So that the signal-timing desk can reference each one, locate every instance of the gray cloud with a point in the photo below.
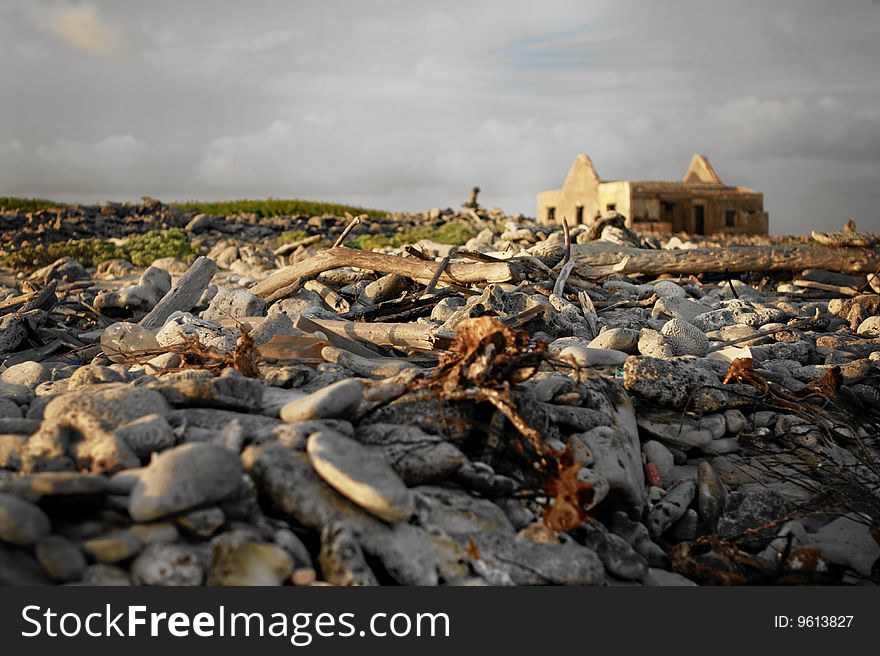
(407, 105)
(80, 27)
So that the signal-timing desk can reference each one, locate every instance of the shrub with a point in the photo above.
(455, 233)
(140, 250)
(27, 204)
(269, 207)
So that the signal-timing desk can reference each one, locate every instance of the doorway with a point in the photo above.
(699, 219)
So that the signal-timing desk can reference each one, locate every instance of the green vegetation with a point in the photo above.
(454, 232)
(140, 250)
(268, 207)
(26, 205)
(290, 236)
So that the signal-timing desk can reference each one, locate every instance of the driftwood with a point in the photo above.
(737, 259)
(334, 258)
(287, 249)
(30, 300)
(184, 295)
(403, 335)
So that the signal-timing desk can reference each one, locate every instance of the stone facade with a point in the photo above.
(700, 204)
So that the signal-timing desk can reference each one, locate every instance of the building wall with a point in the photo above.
(747, 206)
(617, 194)
(579, 190)
(655, 206)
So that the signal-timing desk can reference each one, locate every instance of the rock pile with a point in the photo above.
(498, 414)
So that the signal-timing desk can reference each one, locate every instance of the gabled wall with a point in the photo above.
(584, 196)
(579, 190)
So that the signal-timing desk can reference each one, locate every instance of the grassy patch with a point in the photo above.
(290, 236)
(26, 205)
(455, 233)
(268, 207)
(140, 250)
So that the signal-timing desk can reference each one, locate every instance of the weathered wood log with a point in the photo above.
(334, 258)
(184, 295)
(737, 259)
(42, 298)
(404, 335)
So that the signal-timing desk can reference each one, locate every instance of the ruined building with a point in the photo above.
(700, 204)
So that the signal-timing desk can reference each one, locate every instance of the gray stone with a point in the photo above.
(9, 409)
(101, 429)
(417, 457)
(870, 327)
(404, 551)
(458, 513)
(237, 560)
(523, 562)
(168, 564)
(274, 325)
(617, 339)
(286, 478)
(752, 507)
(34, 487)
(60, 558)
(18, 382)
(619, 462)
(616, 554)
(735, 421)
(636, 534)
(65, 269)
(336, 400)
(18, 567)
(103, 574)
(711, 495)
(721, 447)
(201, 223)
(12, 332)
(685, 529)
(675, 383)
(361, 475)
(342, 559)
(181, 325)
(593, 357)
(715, 424)
(18, 426)
(657, 454)
(153, 284)
(184, 478)
(668, 289)
(654, 344)
(234, 304)
(202, 523)
(679, 308)
(847, 540)
(230, 390)
(686, 338)
(670, 508)
(112, 548)
(21, 522)
(717, 319)
(673, 428)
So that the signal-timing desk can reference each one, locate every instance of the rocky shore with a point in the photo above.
(508, 411)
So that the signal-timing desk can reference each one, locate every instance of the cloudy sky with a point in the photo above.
(402, 104)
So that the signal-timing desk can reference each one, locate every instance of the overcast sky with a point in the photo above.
(405, 105)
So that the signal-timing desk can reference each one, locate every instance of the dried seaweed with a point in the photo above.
(483, 362)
